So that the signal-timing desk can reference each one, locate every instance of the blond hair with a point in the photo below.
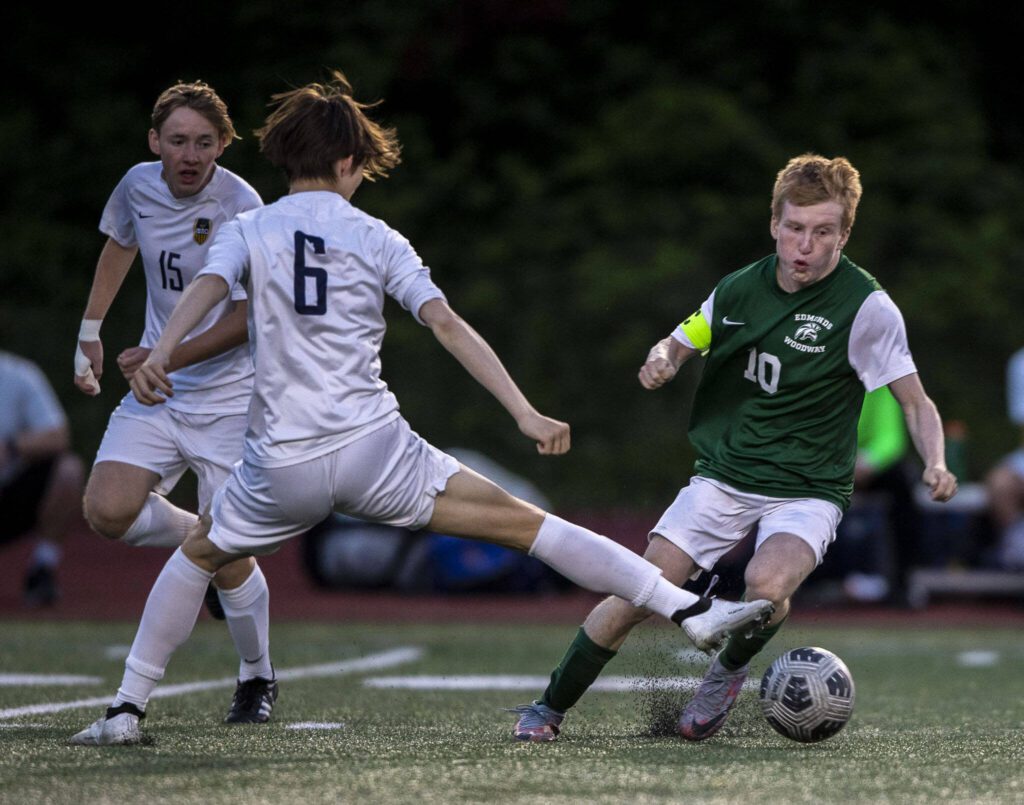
(201, 97)
(811, 179)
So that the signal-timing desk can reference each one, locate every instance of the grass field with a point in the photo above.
(938, 719)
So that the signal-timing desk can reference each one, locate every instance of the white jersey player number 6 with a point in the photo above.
(309, 278)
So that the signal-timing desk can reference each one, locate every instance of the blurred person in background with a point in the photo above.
(1005, 482)
(40, 478)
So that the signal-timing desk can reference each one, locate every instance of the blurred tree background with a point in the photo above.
(577, 174)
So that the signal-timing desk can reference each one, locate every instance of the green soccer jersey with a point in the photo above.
(777, 406)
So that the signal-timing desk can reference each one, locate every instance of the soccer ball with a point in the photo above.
(807, 694)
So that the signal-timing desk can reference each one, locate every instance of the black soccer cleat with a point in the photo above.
(40, 587)
(253, 701)
(213, 605)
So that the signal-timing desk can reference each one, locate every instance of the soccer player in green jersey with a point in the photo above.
(792, 341)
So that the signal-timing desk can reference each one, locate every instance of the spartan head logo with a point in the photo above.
(201, 230)
(808, 331)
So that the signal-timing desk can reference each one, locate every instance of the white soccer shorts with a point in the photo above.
(709, 517)
(390, 476)
(168, 442)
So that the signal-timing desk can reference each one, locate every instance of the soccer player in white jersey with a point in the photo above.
(171, 211)
(324, 431)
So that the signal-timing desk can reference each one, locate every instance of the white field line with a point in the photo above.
(29, 680)
(977, 659)
(371, 662)
(315, 725)
(613, 684)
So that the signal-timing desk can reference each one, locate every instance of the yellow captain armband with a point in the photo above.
(698, 331)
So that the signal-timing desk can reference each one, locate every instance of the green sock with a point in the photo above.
(740, 648)
(580, 666)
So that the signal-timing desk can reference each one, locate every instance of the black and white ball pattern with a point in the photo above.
(807, 694)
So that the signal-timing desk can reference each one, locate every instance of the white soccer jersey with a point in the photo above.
(173, 236)
(317, 270)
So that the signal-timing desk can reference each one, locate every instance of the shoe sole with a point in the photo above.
(537, 739)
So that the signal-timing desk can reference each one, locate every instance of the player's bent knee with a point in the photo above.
(106, 517)
(198, 548)
(761, 586)
(234, 574)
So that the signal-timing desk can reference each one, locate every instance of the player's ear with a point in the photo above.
(774, 227)
(343, 167)
(154, 141)
(844, 237)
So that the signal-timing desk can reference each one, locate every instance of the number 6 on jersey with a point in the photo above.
(304, 273)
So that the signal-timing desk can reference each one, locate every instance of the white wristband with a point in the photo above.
(90, 330)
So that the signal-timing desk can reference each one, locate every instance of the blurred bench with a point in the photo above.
(971, 501)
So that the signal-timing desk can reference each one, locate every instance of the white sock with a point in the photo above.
(247, 611)
(598, 564)
(160, 524)
(167, 621)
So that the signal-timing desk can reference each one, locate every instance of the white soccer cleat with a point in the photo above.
(118, 729)
(710, 629)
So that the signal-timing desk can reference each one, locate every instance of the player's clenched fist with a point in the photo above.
(941, 482)
(552, 436)
(656, 372)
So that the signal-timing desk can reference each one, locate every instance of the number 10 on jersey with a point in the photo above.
(764, 369)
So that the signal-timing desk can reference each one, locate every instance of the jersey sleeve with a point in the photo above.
(228, 257)
(695, 330)
(117, 222)
(406, 279)
(879, 352)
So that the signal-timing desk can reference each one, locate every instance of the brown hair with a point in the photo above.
(201, 97)
(811, 179)
(313, 127)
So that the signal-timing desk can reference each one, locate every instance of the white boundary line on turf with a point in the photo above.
(30, 680)
(371, 662)
(612, 684)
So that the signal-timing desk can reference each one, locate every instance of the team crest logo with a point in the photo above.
(809, 327)
(201, 230)
(808, 332)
